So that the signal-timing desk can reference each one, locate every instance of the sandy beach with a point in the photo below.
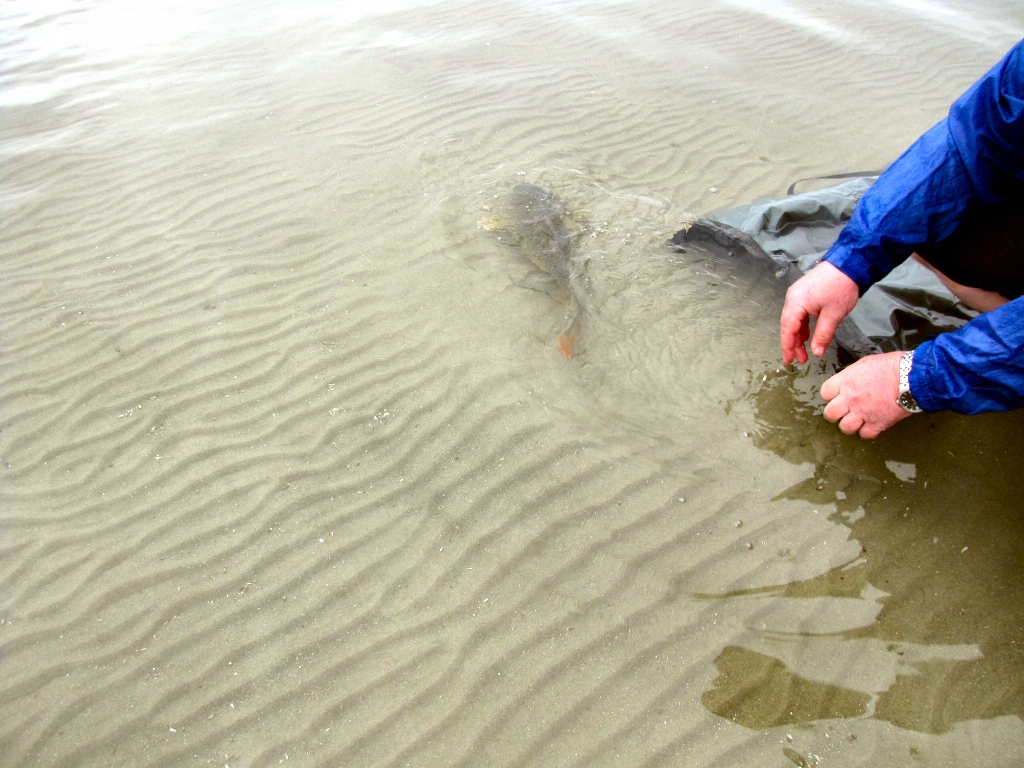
(292, 472)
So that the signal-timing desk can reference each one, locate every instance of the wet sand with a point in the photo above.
(292, 470)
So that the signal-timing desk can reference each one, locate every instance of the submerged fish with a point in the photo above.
(537, 224)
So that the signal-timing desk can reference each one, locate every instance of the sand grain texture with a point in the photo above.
(291, 469)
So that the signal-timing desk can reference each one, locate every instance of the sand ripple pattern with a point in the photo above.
(290, 467)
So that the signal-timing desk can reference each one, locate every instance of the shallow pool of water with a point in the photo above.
(292, 470)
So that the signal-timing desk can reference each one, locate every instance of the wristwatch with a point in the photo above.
(906, 399)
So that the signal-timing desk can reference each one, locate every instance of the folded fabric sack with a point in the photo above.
(899, 312)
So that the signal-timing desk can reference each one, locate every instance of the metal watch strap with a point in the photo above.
(906, 399)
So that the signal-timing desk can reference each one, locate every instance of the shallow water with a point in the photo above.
(292, 469)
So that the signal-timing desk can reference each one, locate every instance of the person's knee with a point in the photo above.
(977, 299)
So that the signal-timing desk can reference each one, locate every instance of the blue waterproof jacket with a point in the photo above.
(973, 157)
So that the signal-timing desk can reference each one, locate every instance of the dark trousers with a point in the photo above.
(986, 251)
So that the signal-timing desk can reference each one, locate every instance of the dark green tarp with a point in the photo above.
(793, 233)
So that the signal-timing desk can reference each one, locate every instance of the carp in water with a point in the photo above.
(536, 223)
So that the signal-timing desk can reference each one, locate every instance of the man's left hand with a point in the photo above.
(862, 397)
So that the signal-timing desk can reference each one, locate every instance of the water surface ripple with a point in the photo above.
(293, 471)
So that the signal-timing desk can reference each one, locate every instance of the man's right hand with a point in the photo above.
(825, 293)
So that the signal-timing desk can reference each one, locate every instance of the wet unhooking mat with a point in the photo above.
(898, 312)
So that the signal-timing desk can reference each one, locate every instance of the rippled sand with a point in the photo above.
(293, 473)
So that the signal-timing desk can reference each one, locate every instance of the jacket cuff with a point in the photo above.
(922, 373)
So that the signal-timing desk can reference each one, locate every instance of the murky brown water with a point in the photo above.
(293, 471)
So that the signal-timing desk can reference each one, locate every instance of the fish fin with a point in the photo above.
(567, 341)
(541, 282)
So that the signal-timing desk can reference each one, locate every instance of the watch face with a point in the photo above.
(907, 401)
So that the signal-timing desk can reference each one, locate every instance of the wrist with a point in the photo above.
(851, 266)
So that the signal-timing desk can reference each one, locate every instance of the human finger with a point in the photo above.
(794, 328)
(831, 387)
(850, 423)
(825, 328)
(870, 431)
(836, 409)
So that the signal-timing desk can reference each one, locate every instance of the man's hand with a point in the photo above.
(825, 293)
(862, 397)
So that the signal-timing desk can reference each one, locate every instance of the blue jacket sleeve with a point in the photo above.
(977, 368)
(973, 156)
